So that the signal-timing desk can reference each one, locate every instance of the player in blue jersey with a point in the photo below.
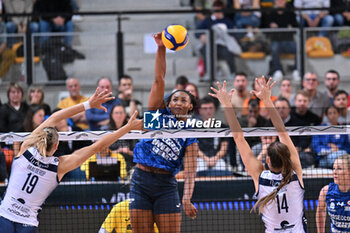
(335, 199)
(280, 190)
(36, 173)
(154, 194)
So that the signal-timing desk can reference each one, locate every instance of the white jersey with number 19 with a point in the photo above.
(285, 213)
(32, 180)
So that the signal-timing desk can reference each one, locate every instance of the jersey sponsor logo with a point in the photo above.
(348, 202)
(284, 226)
(178, 205)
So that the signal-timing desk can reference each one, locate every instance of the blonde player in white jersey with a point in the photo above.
(280, 190)
(36, 173)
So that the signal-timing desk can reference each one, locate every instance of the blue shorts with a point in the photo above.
(8, 226)
(156, 192)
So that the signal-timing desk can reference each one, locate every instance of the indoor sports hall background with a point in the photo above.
(113, 38)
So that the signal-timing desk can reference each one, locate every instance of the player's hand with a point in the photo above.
(99, 98)
(222, 95)
(189, 209)
(263, 89)
(158, 39)
(133, 123)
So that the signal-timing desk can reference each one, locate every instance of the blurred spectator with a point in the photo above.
(247, 19)
(73, 87)
(282, 42)
(117, 119)
(262, 110)
(97, 117)
(240, 83)
(68, 147)
(314, 18)
(340, 12)
(341, 103)
(36, 96)
(56, 23)
(331, 82)
(302, 143)
(3, 169)
(318, 100)
(193, 89)
(180, 82)
(13, 112)
(330, 147)
(212, 151)
(253, 119)
(301, 109)
(19, 24)
(105, 156)
(125, 95)
(201, 5)
(35, 116)
(286, 89)
(260, 149)
(7, 56)
(218, 22)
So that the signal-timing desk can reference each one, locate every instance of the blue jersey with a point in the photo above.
(338, 206)
(164, 153)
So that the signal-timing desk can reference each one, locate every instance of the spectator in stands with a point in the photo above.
(318, 100)
(117, 119)
(253, 119)
(301, 143)
(68, 147)
(180, 82)
(75, 97)
(247, 19)
(262, 110)
(7, 56)
(212, 151)
(3, 169)
(282, 42)
(329, 147)
(340, 12)
(35, 116)
(19, 24)
(36, 96)
(314, 18)
(260, 149)
(240, 83)
(13, 112)
(341, 103)
(331, 82)
(125, 95)
(286, 89)
(97, 117)
(56, 23)
(218, 21)
(201, 5)
(193, 89)
(301, 109)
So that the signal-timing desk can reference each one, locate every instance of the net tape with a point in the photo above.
(188, 133)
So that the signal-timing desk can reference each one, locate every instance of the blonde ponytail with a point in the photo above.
(43, 140)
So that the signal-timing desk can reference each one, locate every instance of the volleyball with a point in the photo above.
(175, 37)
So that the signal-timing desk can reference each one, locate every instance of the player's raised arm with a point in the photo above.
(72, 161)
(156, 98)
(264, 94)
(95, 101)
(253, 165)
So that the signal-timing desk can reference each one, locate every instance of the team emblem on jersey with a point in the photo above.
(332, 206)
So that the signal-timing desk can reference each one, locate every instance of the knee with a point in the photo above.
(69, 26)
(327, 21)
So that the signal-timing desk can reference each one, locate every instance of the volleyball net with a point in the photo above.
(87, 197)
